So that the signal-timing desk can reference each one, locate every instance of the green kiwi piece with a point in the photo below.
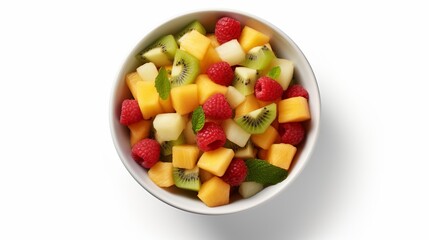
(258, 58)
(187, 178)
(167, 146)
(244, 80)
(161, 52)
(194, 25)
(185, 69)
(259, 120)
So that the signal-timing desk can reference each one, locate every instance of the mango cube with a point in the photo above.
(251, 38)
(214, 192)
(293, 109)
(148, 99)
(162, 174)
(166, 105)
(195, 43)
(139, 130)
(281, 155)
(185, 156)
(210, 58)
(132, 79)
(216, 161)
(250, 104)
(264, 140)
(207, 88)
(184, 98)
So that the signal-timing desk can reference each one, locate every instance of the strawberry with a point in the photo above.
(292, 133)
(130, 112)
(267, 89)
(236, 172)
(295, 91)
(210, 137)
(221, 73)
(217, 108)
(146, 152)
(227, 29)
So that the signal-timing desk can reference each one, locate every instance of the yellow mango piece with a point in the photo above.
(195, 43)
(293, 109)
(264, 140)
(210, 58)
(162, 174)
(166, 105)
(185, 156)
(207, 88)
(184, 98)
(216, 161)
(148, 99)
(281, 155)
(132, 79)
(214, 192)
(251, 103)
(251, 38)
(139, 131)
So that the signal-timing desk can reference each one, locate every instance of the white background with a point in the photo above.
(60, 177)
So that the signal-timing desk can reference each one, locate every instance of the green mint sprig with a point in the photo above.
(275, 72)
(162, 84)
(198, 119)
(263, 172)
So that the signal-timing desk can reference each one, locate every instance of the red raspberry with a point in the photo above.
(217, 108)
(130, 112)
(146, 152)
(227, 29)
(210, 137)
(267, 89)
(221, 73)
(295, 91)
(292, 133)
(236, 172)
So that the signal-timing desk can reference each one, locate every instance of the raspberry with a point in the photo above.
(292, 133)
(130, 112)
(146, 152)
(267, 89)
(236, 172)
(210, 137)
(217, 108)
(227, 29)
(295, 91)
(221, 73)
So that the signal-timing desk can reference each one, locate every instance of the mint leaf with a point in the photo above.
(263, 172)
(162, 84)
(198, 119)
(274, 73)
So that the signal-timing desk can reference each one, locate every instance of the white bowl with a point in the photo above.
(282, 45)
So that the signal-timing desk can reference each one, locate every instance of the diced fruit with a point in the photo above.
(281, 155)
(190, 137)
(286, 71)
(148, 99)
(132, 79)
(226, 29)
(246, 152)
(235, 133)
(231, 52)
(250, 104)
(139, 131)
(205, 175)
(210, 58)
(258, 120)
(185, 156)
(248, 189)
(210, 137)
(167, 146)
(295, 91)
(258, 58)
(162, 174)
(161, 52)
(292, 133)
(213, 40)
(262, 154)
(267, 89)
(194, 25)
(266, 139)
(195, 43)
(221, 73)
(147, 71)
(130, 112)
(293, 110)
(187, 178)
(217, 108)
(216, 161)
(235, 173)
(251, 38)
(169, 126)
(184, 98)
(146, 152)
(234, 97)
(185, 69)
(214, 192)
(166, 105)
(244, 80)
(207, 88)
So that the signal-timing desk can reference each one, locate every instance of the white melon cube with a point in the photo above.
(169, 126)
(147, 71)
(231, 52)
(235, 133)
(234, 97)
(158, 57)
(248, 189)
(286, 71)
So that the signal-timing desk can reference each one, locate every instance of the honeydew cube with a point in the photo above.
(286, 71)
(216, 161)
(293, 109)
(234, 97)
(214, 192)
(132, 79)
(251, 38)
(248, 189)
(184, 98)
(169, 126)
(162, 174)
(185, 156)
(148, 99)
(266, 139)
(250, 104)
(235, 133)
(210, 58)
(148, 71)
(139, 131)
(195, 43)
(190, 137)
(231, 52)
(207, 88)
(281, 155)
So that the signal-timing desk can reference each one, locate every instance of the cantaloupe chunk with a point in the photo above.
(216, 161)
(185, 156)
(132, 79)
(207, 88)
(293, 109)
(264, 140)
(139, 130)
(214, 192)
(184, 98)
(195, 43)
(148, 99)
(251, 38)
(162, 174)
(250, 104)
(281, 155)
(210, 58)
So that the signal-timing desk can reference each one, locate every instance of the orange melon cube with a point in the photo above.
(264, 140)
(293, 109)
(214, 192)
(195, 43)
(184, 98)
(251, 38)
(262, 154)
(281, 155)
(210, 58)
(185, 156)
(166, 105)
(207, 88)
(216, 161)
(132, 79)
(250, 104)
(139, 131)
(148, 99)
(162, 174)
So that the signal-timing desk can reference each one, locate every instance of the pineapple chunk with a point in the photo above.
(231, 52)
(195, 43)
(250, 104)
(185, 156)
(214, 192)
(139, 130)
(162, 174)
(293, 109)
(264, 140)
(132, 79)
(251, 38)
(148, 72)
(207, 88)
(169, 126)
(210, 58)
(281, 155)
(184, 98)
(234, 97)
(216, 161)
(235, 133)
(147, 97)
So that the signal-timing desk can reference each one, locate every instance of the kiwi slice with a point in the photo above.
(258, 58)
(167, 146)
(161, 52)
(195, 25)
(185, 68)
(244, 80)
(187, 178)
(257, 121)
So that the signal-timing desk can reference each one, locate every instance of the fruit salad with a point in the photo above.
(215, 112)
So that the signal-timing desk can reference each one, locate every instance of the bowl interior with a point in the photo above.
(283, 47)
